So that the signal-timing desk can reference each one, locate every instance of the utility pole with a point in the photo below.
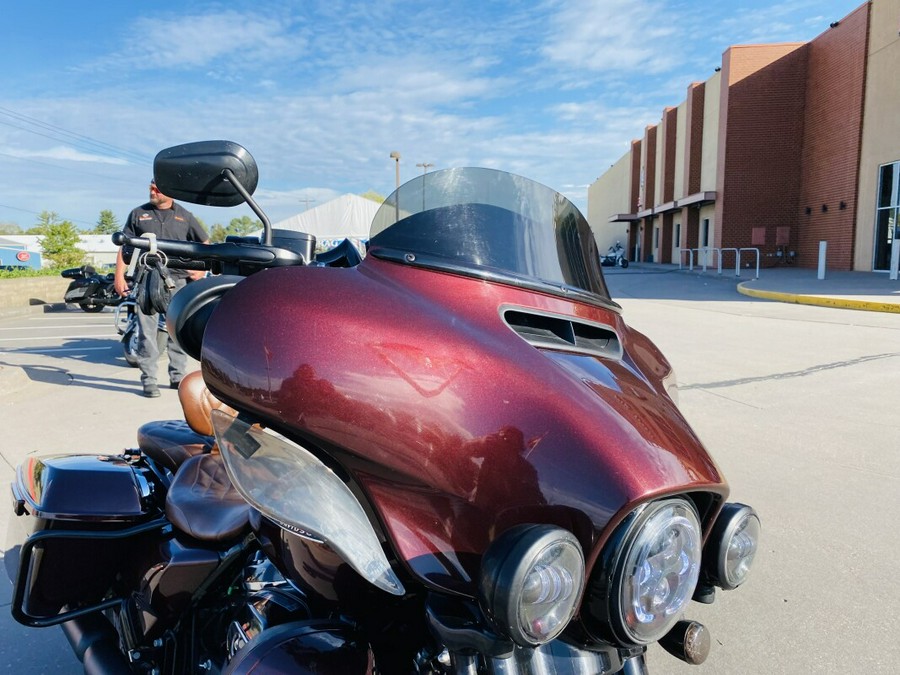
(425, 166)
(396, 157)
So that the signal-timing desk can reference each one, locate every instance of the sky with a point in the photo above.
(322, 92)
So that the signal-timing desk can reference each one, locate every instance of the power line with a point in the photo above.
(80, 172)
(38, 213)
(61, 134)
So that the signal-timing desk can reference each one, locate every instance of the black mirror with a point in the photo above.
(195, 173)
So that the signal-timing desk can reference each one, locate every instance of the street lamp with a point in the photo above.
(396, 157)
(425, 167)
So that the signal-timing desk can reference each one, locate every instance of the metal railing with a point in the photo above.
(711, 254)
(737, 264)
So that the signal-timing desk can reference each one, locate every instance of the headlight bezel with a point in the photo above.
(604, 614)
(731, 522)
(506, 567)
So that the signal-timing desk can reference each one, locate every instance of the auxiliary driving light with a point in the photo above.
(732, 546)
(531, 579)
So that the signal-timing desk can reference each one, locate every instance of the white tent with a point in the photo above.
(346, 217)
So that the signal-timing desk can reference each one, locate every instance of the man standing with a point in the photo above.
(167, 220)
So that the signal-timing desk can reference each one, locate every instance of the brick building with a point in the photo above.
(786, 145)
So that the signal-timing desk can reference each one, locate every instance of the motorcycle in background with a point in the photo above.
(615, 257)
(89, 290)
(450, 457)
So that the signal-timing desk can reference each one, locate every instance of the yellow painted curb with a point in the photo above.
(821, 301)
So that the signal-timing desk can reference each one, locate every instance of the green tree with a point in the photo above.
(243, 225)
(374, 196)
(237, 227)
(217, 234)
(59, 240)
(10, 228)
(107, 223)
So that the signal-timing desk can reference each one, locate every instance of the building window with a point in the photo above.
(704, 233)
(886, 214)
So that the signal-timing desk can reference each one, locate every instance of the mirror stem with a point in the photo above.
(267, 226)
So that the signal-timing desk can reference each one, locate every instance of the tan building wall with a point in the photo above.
(709, 166)
(680, 149)
(659, 163)
(881, 120)
(607, 195)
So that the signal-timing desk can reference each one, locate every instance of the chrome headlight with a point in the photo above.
(648, 572)
(531, 579)
(732, 546)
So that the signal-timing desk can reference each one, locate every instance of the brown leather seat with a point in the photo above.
(203, 503)
(171, 442)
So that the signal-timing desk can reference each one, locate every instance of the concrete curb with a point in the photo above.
(820, 300)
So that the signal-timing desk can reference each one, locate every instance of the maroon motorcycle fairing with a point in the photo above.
(454, 426)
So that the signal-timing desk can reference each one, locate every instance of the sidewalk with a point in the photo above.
(868, 291)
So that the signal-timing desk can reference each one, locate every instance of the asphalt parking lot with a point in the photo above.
(797, 404)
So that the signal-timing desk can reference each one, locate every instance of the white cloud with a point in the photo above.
(222, 42)
(614, 36)
(64, 153)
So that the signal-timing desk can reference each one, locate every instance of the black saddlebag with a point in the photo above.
(77, 525)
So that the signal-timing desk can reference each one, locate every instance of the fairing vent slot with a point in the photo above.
(547, 331)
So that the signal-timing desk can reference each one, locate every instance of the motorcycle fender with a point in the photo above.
(305, 648)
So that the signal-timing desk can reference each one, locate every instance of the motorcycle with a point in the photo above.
(452, 456)
(89, 290)
(615, 257)
(128, 327)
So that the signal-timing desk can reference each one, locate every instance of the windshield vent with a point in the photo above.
(555, 332)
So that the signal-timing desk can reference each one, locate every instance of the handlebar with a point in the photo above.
(225, 258)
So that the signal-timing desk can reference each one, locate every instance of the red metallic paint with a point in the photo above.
(453, 425)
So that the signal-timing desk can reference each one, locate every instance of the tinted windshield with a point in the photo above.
(491, 224)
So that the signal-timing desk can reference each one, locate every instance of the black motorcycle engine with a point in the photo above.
(263, 609)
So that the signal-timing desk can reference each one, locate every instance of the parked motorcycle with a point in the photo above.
(450, 457)
(615, 257)
(89, 290)
(128, 326)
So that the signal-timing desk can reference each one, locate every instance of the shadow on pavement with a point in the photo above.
(63, 377)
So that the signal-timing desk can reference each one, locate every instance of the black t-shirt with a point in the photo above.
(175, 223)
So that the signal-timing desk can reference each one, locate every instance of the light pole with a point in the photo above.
(396, 157)
(425, 167)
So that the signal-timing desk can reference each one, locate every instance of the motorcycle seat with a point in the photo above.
(203, 503)
(171, 442)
